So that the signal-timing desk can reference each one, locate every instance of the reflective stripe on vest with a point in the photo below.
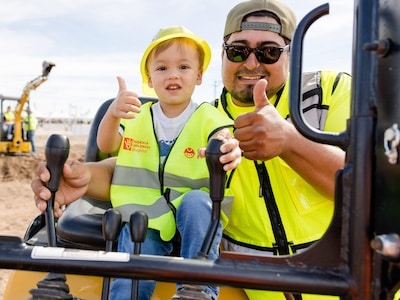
(146, 178)
(155, 210)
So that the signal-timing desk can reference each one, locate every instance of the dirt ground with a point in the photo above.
(17, 207)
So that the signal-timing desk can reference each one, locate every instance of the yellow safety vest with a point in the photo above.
(30, 122)
(9, 117)
(141, 183)
(294, 214)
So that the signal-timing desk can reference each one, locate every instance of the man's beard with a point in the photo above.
(244, 96)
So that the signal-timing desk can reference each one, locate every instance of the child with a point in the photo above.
(158, 170)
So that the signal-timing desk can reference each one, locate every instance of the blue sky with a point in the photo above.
(93, 41)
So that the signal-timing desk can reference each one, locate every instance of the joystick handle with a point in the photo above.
(138, 226)
(216, 169)
(56, 152)
(217, 192)
(111, 223)
(138, 223)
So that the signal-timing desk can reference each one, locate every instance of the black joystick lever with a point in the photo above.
(216, 169)
(54, 285)
(138, 227)
(56, 152)
(111, 225)
(217, 192)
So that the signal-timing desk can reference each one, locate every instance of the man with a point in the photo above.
(30, 124)
(9, 122)
(285, 184)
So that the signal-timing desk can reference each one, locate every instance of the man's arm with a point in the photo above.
(92, 179)
(316, 163)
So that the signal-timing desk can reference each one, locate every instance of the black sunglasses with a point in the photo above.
(265, 55)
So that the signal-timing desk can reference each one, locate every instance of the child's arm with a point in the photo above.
(126, 102)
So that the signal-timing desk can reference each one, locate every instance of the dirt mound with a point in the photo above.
(22, 167)
(17, 167)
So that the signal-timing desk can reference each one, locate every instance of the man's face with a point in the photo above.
(239, 78)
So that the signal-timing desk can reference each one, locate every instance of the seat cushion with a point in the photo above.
(81, 225)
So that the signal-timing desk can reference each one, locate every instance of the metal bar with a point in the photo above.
(338, 139)
(251, 274)
(2, 97)
(359, 160)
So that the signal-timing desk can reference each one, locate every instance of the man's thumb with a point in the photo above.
(121, 83)
(259, 96)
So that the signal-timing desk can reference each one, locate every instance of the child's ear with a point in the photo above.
(150, 83)
(199, 77)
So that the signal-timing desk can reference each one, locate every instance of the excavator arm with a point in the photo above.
(17, 144)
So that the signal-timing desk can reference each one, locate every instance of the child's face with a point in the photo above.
(174, 73)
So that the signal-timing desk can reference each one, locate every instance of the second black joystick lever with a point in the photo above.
(217, 192)
(111, 227)
(56, 152)
(138, 222)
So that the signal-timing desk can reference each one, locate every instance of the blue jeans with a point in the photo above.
(10, 128)
(192, 220)
(30, 135)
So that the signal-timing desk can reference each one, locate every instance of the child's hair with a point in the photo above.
(177, 41)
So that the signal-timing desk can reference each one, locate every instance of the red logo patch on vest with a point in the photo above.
(189, 152)
(128, 143)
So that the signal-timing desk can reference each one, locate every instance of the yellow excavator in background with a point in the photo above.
(16, 144)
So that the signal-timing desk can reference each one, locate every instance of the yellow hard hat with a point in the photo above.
(165, 34)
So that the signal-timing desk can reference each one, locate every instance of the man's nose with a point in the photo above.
(252, 62)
